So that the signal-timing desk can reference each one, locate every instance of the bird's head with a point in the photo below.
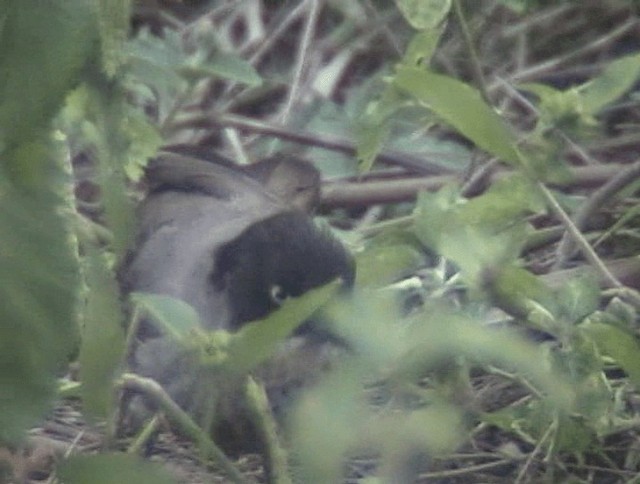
(283, 256)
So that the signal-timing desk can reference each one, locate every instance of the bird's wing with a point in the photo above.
(194, 208)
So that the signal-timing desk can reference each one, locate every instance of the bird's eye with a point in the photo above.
(278, 294)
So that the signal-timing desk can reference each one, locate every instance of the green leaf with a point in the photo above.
(442, 333)
(145, 141)
(461, 106)
(372, 128)
(506, 202)
(326, 424)
(39, 285)
(480, 234)
(102, 346)
(422, 46)
(617, 343)
(579, 297)
(520, 293)
(451, 155)
(114, 17)
(370, 139)
(435, 213)
(154, 62)
(105, 125)
(327, 117)
(177, 318)
(43, 47)
(617, 78)
(382, 265)
(574, 435)
(562, 109)
(111, 469)
(424, 14)
(223, 65)
(257, 341)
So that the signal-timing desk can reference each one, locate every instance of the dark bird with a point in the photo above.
(233, 243)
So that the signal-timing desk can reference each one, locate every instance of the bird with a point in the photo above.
(234, 243)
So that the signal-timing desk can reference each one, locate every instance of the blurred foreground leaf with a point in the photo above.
(102, 346)
(619, 344)
(111, 469)
(424, 14)
(177, 318)
(38, 290)
(616, 79)
(257, 341)
(43, 46)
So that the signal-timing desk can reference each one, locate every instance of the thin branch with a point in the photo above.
(476, 68)
(282, 27)
(579, 239)
(547, 434)
(596, 201)
(343, 145)
(544, 67)
(340, 194)
(301, 61)
(467, 470)
(151, 389)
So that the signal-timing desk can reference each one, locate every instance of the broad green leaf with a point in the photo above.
(424, 14)
(166, 52)
(153, 62)
(506, 202)
(327, 117)
(326, 425)
(579, 297)
(621, 311)
(477, 251)
(444, 332)
(372, 128)
(540, 90)
(145, 141)
(370, 137)
(256, 341)
(106, 127)
(617, 78)
(225, 66)
(435, 213)
(451, 155)
(177, 318)
(111, 469)
(537, 418)
(114, 20)
(478, 235)
(562, 109)
(368, 320)
(519, 292)
(39, 285)
(382, 265)
(435, 429)
(617, 343)
(102, 346)
(574, 435)
(422, 46)
(581, 361)
(43, 47)
(461, 106)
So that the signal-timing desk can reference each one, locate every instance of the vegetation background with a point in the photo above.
(480, 158)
